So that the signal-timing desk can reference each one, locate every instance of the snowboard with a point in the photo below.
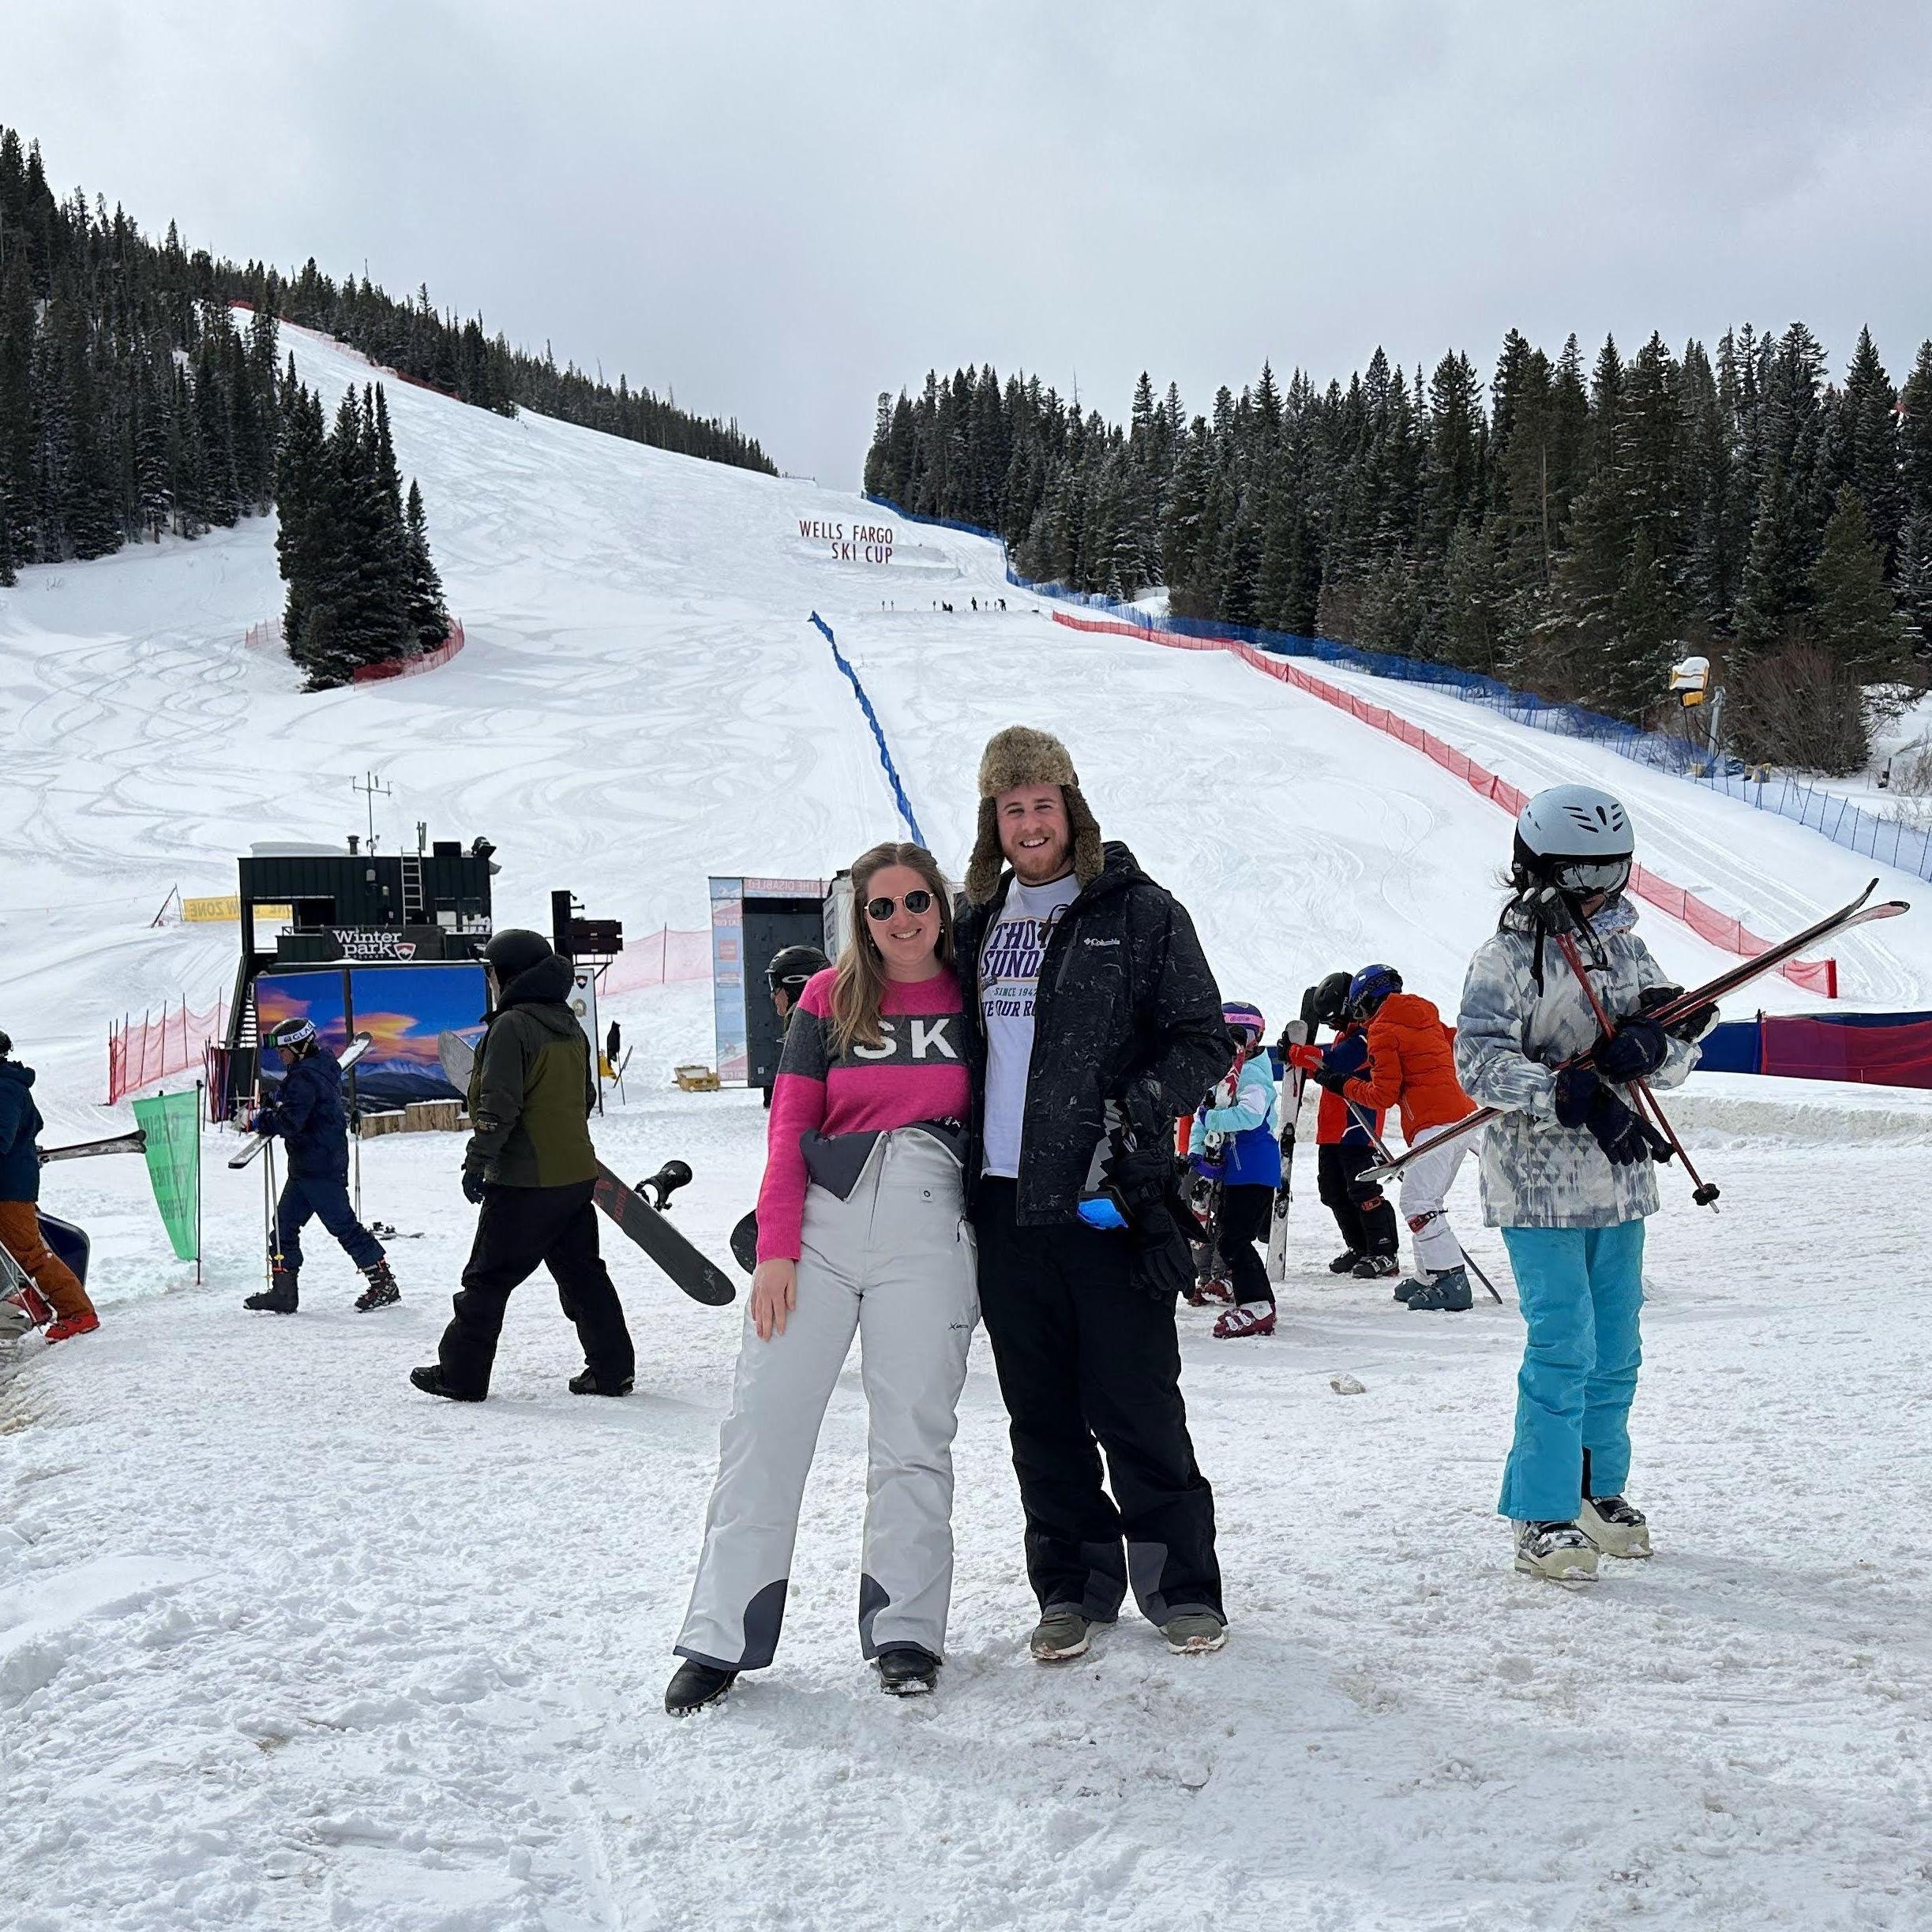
(350, 1054)
(1293, 1080)
(689, 1266)
(1856, 912)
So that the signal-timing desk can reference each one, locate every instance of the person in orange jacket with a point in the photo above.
(1412, 1066)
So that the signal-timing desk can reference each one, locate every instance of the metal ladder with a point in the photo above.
(412, 890)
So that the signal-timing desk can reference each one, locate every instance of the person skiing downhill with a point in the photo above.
(1411, 1066)
(307, 1115)
(1095, 1024)
(1566, 1169)
(1345, 1137)
(1243, 1159)
(531, 1171)
(861, 1231)
(49, 1279)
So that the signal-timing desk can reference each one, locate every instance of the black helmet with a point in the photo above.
(515, 950)
(1327, 1004)
(6, 1044)
(292, 1035)
(792, 965)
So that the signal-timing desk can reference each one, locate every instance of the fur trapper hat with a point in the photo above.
(1020, 755)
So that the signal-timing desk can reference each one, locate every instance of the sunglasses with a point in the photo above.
(882, 908)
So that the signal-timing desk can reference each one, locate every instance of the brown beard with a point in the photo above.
(1060, 863)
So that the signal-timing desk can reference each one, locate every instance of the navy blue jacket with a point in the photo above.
(20, 1129)
(309, 1115)
(1348, 1054)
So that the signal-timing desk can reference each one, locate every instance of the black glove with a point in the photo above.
(1329, 1080)
(1693, 1026)
(1142, 1175)
(473, 1183)
(1635, 1048)
(1583, 1100)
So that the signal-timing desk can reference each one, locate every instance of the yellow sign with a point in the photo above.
(215, 911)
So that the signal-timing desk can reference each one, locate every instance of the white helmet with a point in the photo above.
(1576, 838)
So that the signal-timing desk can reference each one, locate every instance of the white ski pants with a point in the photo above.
(894, 1261)
(1426, 1183)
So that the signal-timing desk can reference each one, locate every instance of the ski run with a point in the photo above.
(284, 1644)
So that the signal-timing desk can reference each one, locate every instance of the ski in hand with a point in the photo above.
(1293, 1080)
(350, 1054)
(1857, 913)
(135, 1142)
(700, 1277)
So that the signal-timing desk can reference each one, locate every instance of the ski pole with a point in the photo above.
(1375, 1140)
(1703, 1192)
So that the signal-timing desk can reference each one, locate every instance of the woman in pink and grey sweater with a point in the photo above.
(861, 1228)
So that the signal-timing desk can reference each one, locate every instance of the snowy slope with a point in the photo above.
(282, 1644)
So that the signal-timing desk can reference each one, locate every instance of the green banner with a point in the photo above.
(173, 1124)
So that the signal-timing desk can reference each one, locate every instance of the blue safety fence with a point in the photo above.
(1889, 841)
(871, 718)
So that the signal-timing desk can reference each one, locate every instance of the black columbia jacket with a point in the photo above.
(1124, 991)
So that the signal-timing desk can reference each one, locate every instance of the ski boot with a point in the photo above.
(280, 1297)
(381, 1292)
(695, 1686)
(1215, 1291)
(590, 1383)
(1558, 1552)
(429, 1380)
(1345, 1262)
(1252, 1318)
(1617, 1527)
(24, 1309)
(907, 1673)
(1376, 1268)
(71, 1325)
(1448, 1290)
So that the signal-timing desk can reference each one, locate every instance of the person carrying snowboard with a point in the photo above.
(1566, 1169)
(861, 1231)
(307, 1115)
(530, 1169)
(1345, 1137)
(1411, 1066)
(1233, 1145)
(1095, 1023)
(49, 1279)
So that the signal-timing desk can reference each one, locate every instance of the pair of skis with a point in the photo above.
(1857, 913)
(350, 1054)
(1293, 1081)
(631, 1208)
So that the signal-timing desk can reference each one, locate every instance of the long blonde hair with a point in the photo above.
(859, 980)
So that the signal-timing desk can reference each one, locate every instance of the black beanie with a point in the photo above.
(515, 952)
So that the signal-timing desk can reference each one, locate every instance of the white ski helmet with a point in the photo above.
(1576, 838)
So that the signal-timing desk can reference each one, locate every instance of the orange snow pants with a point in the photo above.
(20, 1236)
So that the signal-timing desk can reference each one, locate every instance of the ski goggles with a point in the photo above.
(1584, 876)
(1102, 1210)
(882, 908)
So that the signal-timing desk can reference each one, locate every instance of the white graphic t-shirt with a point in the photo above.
(1009, 973)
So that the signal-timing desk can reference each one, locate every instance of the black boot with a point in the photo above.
(1343, 1263)
(381, 1292)
(430, 1382)
(279, 1297)
(695, 1686)
(906, 1673)
(590, 1383)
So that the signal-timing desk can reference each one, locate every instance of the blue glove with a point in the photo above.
(473, 1183)
(1637, 1049)
(1583, 1100)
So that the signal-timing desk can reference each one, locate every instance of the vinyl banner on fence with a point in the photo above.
(172, 1123)
(401, 1008)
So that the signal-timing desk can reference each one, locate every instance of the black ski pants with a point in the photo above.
(1245, 1214)
(1362, 1211)
(1089, 1363)
(517, 1229)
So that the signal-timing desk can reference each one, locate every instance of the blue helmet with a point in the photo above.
(1371, 986)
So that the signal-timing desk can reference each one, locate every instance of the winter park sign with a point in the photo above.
(848, 543)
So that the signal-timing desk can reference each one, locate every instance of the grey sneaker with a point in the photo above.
(1194, 1633)
(1060, 1638)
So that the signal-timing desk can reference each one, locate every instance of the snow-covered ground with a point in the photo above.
(284, 1644)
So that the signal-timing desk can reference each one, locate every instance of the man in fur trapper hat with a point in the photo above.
(1090, 994)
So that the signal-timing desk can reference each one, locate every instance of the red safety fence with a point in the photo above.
(410, 667)
(664, 958)
(140, 1052)
(1819, 976)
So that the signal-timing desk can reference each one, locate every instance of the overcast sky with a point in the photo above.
(775, 211)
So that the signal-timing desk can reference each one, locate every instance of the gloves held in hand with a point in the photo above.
(473, 1183)
(1637, 1049)
(1583, 1100)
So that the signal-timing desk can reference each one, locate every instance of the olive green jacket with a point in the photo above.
(531, 1088)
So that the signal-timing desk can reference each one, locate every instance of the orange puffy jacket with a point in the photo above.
(1411, 1065)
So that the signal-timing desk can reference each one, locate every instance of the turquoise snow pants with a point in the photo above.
(1580, 1289)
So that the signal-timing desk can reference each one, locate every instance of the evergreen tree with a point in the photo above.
(1854, 616)
(428, 617)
